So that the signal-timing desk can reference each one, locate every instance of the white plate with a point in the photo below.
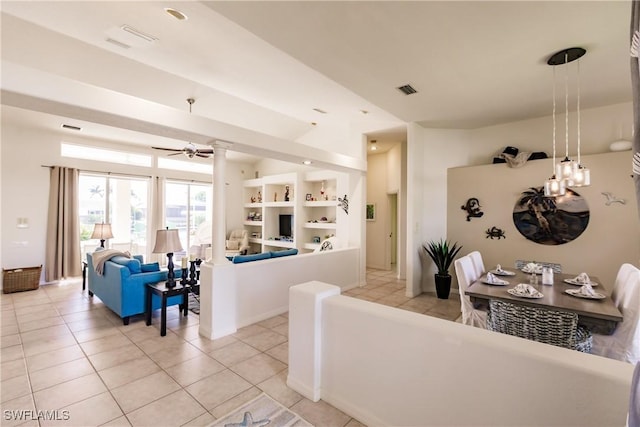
(517, 294)
(486, 282)
(502, 273)
(576, 293)
(573, 282)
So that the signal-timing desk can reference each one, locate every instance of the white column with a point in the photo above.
(219, 233)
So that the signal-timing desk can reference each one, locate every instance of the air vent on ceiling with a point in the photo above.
(143, 36)
(407, 89)
(117, 43)
(320, 111)
(70, 127)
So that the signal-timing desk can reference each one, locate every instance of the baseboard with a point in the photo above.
(365, 417)
(309, 393)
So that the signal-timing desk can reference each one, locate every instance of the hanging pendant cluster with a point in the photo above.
(567, 172)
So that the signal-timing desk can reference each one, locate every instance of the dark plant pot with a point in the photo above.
(443, 285)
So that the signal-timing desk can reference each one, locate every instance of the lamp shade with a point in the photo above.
(167, 241)
(102, 231)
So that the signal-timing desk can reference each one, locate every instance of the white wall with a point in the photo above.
(432, 151)
(611, 238)
(25, 186)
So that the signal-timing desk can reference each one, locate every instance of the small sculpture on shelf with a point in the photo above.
(286, 193)
(275, 196)
(259, 197)
(253, 199)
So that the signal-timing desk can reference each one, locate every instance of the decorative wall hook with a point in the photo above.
(612, 199)
(473, 208)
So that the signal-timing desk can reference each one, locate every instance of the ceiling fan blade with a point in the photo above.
(166, 149)
(175, 154)
(205, 156)
(205, 151)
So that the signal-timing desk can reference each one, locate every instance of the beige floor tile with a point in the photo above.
(234, 353)
(282, 329)
(45, 304)
(55, 357)
(217, 388)
(158, 342)
(93, 411)
(68, 393)
(280, 352)
(139, 332)
(258, 368)
(273, 322)
(41, 346)
(118, 422)
(265, 340)
(9, 329)
(236, 401)
(83, 315)
(108, 343)
(143, 391)
(41, 323)
(18, 410)
(129, 371)
(188, 333)
(208, 345)
(195, 369)
(175, 409)
(276, 387)
(10, 340)
(96, 333)
(173, 355)
(320, 413)
(49, 377)
(90, 323)
(180, 322)
(354, 423)
(45, 333)
(15, 387)
(248, 331)
(38, 315)
(115, 357)
(12, 369)
(203, 420)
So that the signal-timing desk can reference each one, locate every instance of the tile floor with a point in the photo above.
(63, 351)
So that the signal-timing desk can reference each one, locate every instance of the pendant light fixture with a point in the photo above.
(568, 172)
(554, 187)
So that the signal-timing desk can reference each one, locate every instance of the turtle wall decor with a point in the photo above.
(473, 208)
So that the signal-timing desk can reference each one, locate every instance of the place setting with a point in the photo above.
(525, 290)
(580, 280)
(532, 267)
(499, 271)
(586, 292)
(492, 279)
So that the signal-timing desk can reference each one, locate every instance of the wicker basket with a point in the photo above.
(20, 279)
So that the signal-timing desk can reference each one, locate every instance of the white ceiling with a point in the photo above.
(266, 65)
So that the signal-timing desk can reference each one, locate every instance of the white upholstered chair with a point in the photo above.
(238, 243)
(466, 274)
(624, 344)
(478, 264)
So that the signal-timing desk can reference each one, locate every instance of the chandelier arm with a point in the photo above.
(566, 106)
(578, 108)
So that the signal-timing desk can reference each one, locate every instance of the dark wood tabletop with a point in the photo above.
(601, 316)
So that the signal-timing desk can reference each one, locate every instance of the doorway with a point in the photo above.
(391, 258)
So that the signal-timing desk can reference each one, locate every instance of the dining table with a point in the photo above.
(600, 316)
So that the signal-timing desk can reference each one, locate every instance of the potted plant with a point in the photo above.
(442, 253)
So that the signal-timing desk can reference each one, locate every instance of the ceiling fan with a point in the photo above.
(190, 149)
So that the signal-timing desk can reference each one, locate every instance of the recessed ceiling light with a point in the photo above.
(374, 147)
(313, 123)
(364, 111)
(307, 162)
(70, 127)
(176, 14)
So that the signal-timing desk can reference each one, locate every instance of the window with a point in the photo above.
(188, 208)
(119, 201)
(180, 165)
(104, 155)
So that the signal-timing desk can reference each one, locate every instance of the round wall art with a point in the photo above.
(550, 220)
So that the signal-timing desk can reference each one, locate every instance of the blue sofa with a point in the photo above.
(239, 259)
(122, 286)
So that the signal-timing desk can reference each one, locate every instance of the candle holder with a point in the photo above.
(185, 279)
(192, 273)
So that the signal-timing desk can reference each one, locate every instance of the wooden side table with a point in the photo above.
(161, 289)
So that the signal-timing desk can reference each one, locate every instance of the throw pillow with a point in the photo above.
(233, 245)
(151, 266)
(132, 264)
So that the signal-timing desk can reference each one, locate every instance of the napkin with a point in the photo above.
(526, 289)
(499, 269)
(587, 290)
(532, 267)
(582, 278)
(491, 278)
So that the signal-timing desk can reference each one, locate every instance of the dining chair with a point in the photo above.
(624, 343)
(559, 328)
(557, 268)
(478, 264)
(466, 274)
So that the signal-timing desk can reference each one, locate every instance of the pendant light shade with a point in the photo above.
(554, 187)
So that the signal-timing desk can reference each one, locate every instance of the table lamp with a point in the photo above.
(168, 241)
(102, 231)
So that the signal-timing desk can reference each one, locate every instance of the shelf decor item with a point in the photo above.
(442, 253)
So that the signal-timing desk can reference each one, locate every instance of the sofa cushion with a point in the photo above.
(131, 263)
(151, 266)
(233, 245)
(286, 252)
(247, 258)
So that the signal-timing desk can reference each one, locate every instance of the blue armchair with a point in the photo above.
(122, 286)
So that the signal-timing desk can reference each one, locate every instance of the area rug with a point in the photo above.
(261, 411)
(194, 303)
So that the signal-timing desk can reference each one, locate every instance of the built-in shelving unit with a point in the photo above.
(312, 200)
